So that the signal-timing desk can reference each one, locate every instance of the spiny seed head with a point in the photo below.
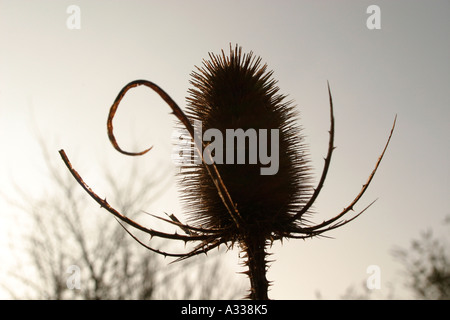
(237, 92)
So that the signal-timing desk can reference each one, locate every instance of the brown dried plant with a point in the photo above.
(233, 203)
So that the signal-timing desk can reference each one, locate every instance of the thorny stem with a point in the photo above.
(254, 247)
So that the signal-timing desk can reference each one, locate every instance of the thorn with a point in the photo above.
(106, 202)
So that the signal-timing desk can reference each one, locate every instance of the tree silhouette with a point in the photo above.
(73, 253)
(427, 265)
(426, 269)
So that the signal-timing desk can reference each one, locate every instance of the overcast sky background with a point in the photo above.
(61, 83)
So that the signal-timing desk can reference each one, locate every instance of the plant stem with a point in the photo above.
(254, 247)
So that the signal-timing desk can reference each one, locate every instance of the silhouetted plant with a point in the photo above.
(427, 266)
(234, 203)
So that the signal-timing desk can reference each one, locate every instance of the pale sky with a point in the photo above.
(63, 81)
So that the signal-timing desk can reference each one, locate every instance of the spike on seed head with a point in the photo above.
(237, 92)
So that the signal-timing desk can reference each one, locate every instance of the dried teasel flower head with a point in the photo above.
(232, 93)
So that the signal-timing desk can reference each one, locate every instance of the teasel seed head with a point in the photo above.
(237, 92)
